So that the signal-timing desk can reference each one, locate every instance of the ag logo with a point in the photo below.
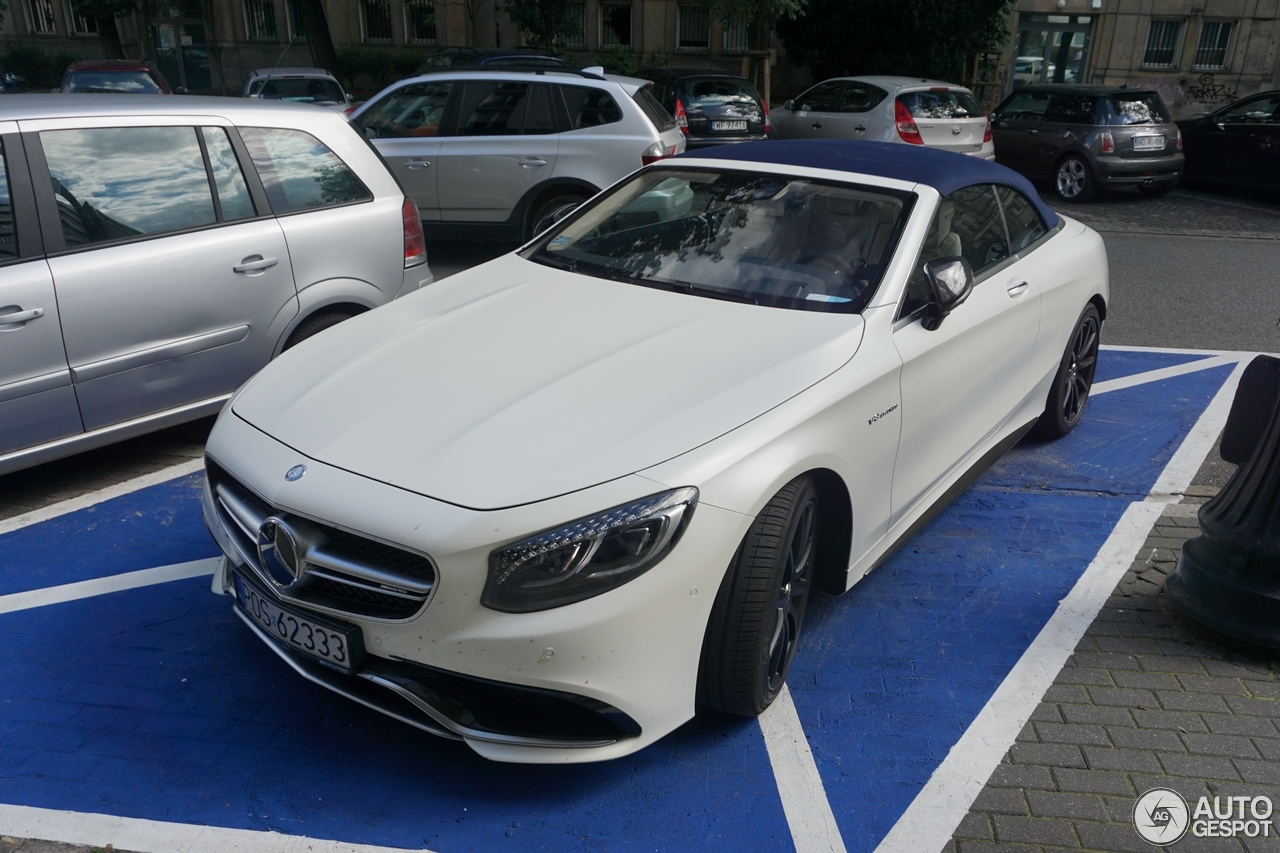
(1160, 816)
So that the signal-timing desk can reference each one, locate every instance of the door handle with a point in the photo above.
(1018, 288)
(1067, 134)
(532, 162)
(413, 164)
(817, 125)
(254, 265)
(17, 317)
(1033, 130)
(860, 129)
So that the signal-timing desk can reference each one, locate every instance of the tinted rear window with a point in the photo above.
(315, 90)
(719, 92)
(949, 104)
(1138, 108)
(121, 82)
(655, 112)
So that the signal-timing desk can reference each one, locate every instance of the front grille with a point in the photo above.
(345, 573)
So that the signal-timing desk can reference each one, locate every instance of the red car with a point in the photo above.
(115, 76)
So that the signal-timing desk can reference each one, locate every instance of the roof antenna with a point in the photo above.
(266, 79)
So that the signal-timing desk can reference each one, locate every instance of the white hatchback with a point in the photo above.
(889, 109)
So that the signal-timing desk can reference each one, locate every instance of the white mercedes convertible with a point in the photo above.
(556, 503)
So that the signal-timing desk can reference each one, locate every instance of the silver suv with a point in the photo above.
(498, 153)
(155, 253)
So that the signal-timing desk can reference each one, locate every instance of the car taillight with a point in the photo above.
(348, 111)
(656, 152)
(768, 128)
(415, 242)
(1178, 140)
(906, 124)
(986, 131)
(682, 120)
(1108, 142)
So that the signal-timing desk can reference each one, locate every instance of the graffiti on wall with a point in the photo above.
(1206, 90)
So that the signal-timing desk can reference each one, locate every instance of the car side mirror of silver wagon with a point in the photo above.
(789, 106)
(950, 283)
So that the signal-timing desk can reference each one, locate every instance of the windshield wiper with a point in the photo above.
(566, 265)
(710, 292)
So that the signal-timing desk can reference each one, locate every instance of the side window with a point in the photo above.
(121, 182)
(589, 107)
(1025, 106)
(1025, 224)
(228, 180)
(966, 224)
(492, 108)
(1263, 110)
(413, 110)
(8, 235)
(299, 172)
(860, 97)
(538, 117)
(822, 98)
(1070, 109)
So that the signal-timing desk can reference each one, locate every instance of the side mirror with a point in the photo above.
(790, 105)
(180, 90)
(349, 99)
(950, 283)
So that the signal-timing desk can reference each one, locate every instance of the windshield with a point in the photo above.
(316, 90)
(525, 59)
(1145, 108)
(121, 82)
(948, 104)
(745, 236)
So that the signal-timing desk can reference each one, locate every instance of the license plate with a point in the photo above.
(335, 645)
(728, 125)
(1148, 143)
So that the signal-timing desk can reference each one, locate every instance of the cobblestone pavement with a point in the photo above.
(28, 845)
(1182, 212)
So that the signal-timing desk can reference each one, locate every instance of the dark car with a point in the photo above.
(711, 107)
(115, 76)
(1237, 145)
(1080, 138)
(492, 57)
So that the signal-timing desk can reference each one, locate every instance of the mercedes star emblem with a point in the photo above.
(278, 553)
(295, 473)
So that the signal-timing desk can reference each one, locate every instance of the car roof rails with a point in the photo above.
(594, 72)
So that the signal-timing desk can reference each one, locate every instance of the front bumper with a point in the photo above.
(588, 681)
(1128, 171)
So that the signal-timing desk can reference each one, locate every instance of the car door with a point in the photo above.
(812, 114)
(1066, 124)
(504, 144)
(1247, 141)
(37, 402)
(1015, 127)
(404, 127)
(961, 381)
(854, 118)
(168, 291)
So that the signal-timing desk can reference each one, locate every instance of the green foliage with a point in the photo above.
(617, 59)
(762, 13)
(378, 67)
(927, 38)
(657, 59)
(543, 22)
(103, 9)
(35, 67)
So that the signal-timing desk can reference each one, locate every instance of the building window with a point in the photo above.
(296, 30)
(40, 17)
(615, 24)
(1211, 49)
(695, 28)
(420, 21)
(81, 25)
(260, 20)
(1162, 44)
(577, 35)
(375, 18)
(735, 36)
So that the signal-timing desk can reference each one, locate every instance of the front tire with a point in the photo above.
(759, 610)
(1071, 385)
(1073, 180)
(315, 325)
(544, 214)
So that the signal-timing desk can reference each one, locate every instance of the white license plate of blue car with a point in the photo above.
(728, 125)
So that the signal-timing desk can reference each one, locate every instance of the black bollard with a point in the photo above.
(1228, 578)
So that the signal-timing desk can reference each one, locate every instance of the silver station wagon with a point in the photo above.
(155, 253)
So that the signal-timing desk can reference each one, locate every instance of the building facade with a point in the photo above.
(1199, 54)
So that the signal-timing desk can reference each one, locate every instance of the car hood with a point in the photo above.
(514, 382)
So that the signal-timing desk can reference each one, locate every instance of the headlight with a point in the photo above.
(588, 556)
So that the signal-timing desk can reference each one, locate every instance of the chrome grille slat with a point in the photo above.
(347, 574)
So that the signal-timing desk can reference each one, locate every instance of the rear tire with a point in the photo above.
(314, 325)
(1073, 180)
(1071, 385)
(546, 210)
(759, 609)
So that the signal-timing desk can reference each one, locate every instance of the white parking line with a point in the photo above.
(101, 586)
(932, 818)
(1161, 374)
(804, 799)
(84, 501)
(155, 836)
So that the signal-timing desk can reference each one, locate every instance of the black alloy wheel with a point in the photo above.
(1074, 379)
(1073, 180)
(759, 610)
(549, 211)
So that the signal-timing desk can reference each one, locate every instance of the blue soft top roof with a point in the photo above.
(945, 171)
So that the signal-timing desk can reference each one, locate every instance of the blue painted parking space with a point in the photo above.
(157, 703)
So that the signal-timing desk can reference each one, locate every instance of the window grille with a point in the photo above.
(615, 24)
(577, 35)
(81, 25)
(420, 21)
(695, 26)
(296, 29)
(1211, 49)
(41, 17)
(260, 20)
(735, 36)
(1162, 44)
(375, 15)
